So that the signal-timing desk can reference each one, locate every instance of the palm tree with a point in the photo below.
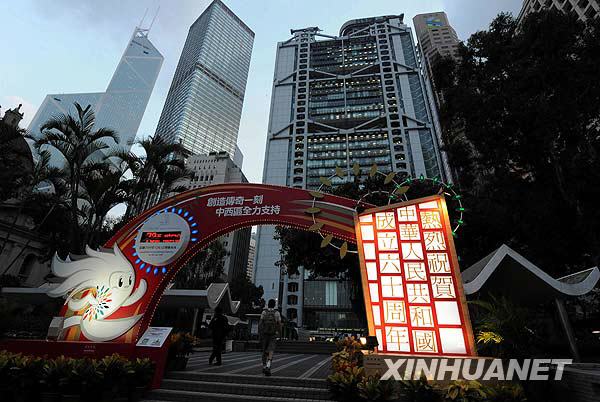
(103, 189)
(77, 140)
(159, 172)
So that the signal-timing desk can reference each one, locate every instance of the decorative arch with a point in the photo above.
(160, 241)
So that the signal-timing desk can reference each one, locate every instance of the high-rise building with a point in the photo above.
(584, 9)
(336, 100)
(121, 107)
(251, 256)
(204, 104)
(218, 168)
(436, 38)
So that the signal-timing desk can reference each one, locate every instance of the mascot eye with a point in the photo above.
(130, 280)
(120, 282)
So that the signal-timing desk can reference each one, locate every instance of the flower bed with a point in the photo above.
(349, 383)
(112, 378)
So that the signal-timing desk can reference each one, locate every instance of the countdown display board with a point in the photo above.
(411, 281)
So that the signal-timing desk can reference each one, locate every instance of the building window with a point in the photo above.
(293, 287)
(292, 300)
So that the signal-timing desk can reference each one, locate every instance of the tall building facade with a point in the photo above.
(436, 38)
(584, 9)
(251, 255)
(121, 107)
(204, 103)
(336, 100)
(218, 168)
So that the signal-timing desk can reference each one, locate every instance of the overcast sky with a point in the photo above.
(65, 46)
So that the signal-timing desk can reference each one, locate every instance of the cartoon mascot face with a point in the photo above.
(97, 286)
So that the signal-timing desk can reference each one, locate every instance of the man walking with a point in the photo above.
(269, 327)
(219, 327)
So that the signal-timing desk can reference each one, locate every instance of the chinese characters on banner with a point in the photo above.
(411, 279)
(240, 206)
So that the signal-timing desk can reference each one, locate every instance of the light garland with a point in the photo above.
(397, 194)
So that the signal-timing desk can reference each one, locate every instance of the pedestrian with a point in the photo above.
(219, 327)
(269, 327)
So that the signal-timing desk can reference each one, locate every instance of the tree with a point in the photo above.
(249, 295)
(15, 161)
(203, 269)
(155, 174)
(521, 122)
(81, 145)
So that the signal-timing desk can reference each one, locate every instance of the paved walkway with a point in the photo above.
(249, 363)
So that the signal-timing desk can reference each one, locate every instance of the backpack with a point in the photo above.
(269, 324)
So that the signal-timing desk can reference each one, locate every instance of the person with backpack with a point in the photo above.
(269, 327)
(219, 326)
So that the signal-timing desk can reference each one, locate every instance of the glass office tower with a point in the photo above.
(204, 104)
(356, 97)
(123, 104)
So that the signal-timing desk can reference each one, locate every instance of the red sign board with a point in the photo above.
(411, 281)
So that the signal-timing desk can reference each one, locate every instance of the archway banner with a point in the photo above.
(412, 287)
(112, 293)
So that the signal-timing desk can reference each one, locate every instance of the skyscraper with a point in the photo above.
(436, 37)
(218, 168)
(336, 100)
(584, 9)
(123, 104)
(204, 104)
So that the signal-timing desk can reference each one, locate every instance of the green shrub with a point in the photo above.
(419, 390)
(465, 391)
(505, 392)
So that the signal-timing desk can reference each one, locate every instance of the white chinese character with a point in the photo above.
(417, 293)
(407, 214)
(211, 202)
(431, 220)
(275, 209)
(391, 286)
(434, 241)
(239, 200)
(421, 316)
(228, 212)
(394, 312)
(397, 339)
(438, 263)
(219, 211)
(443, 287)
(246, 211)
(412, 251)
(237, 211)
(415, 271)
(221, 201)
(389, 263)
(258, 199)
(387, 241)
(385, 220)
(230, 201)
(266, 210)
(256, 211)
(409, 232)
(424, 341)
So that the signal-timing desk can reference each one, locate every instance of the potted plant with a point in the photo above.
(67, 383)
(140, 372)
(115, 378)
(182, 344)
(52, 373)
(6, 362)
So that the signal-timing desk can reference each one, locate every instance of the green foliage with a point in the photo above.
(343, 384)
(373, 389)
(465, 391)
(26, 377)
(501, 328)
(203, 269)
(181, 344)
(505, 392)
(419, 390)
(247, 293)
(520, 122)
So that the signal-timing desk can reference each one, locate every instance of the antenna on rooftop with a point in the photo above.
(144, 17)
(154, 18)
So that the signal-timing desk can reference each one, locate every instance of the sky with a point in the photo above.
(67, 46)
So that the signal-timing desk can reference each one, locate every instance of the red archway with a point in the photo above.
(160, 241)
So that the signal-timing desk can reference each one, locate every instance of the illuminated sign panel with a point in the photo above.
(411, 280)
(160, 237)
